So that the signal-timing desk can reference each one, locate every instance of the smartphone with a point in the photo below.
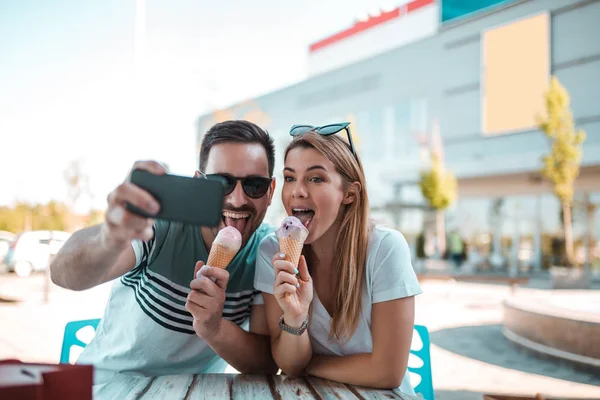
(195, 201)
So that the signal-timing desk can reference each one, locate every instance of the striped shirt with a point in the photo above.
(146, 329)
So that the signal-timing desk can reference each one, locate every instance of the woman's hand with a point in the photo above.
(293, 290)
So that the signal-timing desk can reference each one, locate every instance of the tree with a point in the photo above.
(95, 217)
(562, 163)
(439, 188)
(23, 217)
(77, 187)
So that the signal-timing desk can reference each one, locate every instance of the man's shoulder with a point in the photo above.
(263, 231)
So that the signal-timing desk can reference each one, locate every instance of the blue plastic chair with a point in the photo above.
(425, 386)
(70, 338)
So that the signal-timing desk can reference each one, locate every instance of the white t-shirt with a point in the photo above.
(389, 275)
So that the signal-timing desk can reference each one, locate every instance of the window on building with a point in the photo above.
(368, 133)
(410, 127)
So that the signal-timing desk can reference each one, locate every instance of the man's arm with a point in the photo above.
(101, 253)
(247, 352)
(385, 367)
(84, 262)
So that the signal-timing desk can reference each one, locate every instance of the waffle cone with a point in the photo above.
(291, 248)
(220, 256)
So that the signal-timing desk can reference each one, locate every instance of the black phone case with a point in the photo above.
(183, 199)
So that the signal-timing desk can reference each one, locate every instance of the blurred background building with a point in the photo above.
(468, 78)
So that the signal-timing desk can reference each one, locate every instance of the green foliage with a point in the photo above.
(561, 165)
(50, 216)
(438, 185)
(95, 217)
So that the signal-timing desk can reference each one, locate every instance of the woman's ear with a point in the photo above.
(352, 192)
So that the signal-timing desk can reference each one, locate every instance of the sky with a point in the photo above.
(108, 82)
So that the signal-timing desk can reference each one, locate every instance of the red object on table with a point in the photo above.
(27, 381)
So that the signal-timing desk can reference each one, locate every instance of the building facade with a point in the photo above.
(470, 82)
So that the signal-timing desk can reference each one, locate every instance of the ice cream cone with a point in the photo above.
(292, 249)
(220, 256)
(291, 237)
(224, 248)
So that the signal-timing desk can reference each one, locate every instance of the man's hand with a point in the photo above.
(121, 226)
(205, 301)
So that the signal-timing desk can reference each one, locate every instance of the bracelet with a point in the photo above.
(294, 331)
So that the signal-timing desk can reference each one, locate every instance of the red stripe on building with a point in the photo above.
(362, 26)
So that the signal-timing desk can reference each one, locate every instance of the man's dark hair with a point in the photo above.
(237, 131)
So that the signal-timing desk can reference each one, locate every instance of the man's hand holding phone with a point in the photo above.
(122, 226)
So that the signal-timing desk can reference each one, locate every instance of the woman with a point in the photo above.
(354, 286)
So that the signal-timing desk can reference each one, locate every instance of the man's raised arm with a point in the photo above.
(103, 252)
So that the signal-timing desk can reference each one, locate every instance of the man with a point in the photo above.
(156, 322)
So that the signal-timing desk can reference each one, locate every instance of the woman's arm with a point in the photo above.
(291, 353)
(392, 329)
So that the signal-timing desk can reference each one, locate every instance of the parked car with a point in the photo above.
(6, 239)
(31, 251)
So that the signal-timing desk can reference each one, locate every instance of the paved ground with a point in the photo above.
(469, 354)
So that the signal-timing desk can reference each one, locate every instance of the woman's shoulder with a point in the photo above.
(386, 237)
(269, 245)
(385, 244)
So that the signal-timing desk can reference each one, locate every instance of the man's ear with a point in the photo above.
(352, 192)
(197, 174)
(272, 190)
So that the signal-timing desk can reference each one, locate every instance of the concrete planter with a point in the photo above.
(570, 278)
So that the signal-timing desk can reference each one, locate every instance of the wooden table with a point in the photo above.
(235, 386)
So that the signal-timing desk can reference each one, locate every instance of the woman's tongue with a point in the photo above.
(237, 223)
(305, 217)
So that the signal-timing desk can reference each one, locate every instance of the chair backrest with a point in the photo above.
(71, 340)
(419, 363)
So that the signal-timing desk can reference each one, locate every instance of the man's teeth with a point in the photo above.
(228, 214)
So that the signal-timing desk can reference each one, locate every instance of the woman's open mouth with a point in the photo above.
(305, 215)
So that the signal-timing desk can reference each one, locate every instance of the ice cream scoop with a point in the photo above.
(292, 227)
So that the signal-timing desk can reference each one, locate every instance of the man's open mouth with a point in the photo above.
(305, 215)
(238, 220)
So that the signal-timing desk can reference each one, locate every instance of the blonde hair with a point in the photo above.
(353, 236)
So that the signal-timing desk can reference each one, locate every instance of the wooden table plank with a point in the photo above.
(122, 388)
(168, 387)
(331, 390)
(375, 394)
(234, 386)
(210, 386)
(292, 388)
(252, 387)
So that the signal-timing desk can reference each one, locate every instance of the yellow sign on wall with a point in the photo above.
(515, 74)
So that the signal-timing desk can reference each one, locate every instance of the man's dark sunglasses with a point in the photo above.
(254, 186)
(325, 130)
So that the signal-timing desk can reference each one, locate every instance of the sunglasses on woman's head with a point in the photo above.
(254, 187)
(325, 130)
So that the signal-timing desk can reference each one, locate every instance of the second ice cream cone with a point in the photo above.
(292, 249)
